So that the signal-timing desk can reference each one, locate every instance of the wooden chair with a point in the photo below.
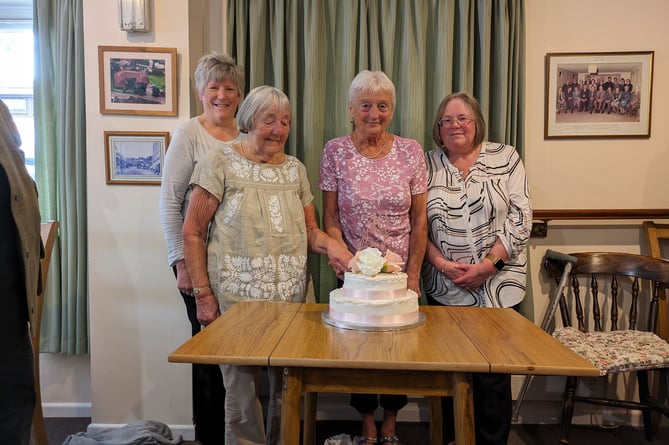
(49, 231)
(621, 290)
(657, 235)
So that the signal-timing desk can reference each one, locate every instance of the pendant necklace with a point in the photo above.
(381, 150)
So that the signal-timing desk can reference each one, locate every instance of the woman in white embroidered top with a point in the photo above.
(479, 222)
(219, 84)
(246, 234)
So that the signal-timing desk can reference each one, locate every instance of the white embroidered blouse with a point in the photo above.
(257, 246)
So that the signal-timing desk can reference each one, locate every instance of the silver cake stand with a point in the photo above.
(325, 316)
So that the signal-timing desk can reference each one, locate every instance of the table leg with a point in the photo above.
(436, 421)
(463, 407)
(290, 409)
(310, 409)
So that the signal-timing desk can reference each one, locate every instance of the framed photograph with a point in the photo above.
(135, 157)
(138, 80)
(598, 95)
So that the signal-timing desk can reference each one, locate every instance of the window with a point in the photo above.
(16, 71)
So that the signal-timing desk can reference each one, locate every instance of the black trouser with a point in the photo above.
(208, 391)
(366, 403)
(17, 381)
(492, 410)
(493, 406)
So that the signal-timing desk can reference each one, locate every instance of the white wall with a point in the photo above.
(617, 173)
(596, 173)
(137, 318)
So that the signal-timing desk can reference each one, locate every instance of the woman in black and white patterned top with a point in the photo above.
(479, 223)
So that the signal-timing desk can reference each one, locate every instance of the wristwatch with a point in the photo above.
(497, 262)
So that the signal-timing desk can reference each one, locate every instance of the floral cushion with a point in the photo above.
(617, 351)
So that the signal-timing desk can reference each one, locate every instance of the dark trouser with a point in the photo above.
(208, 391)
(492, 410)
(17, 367)
(493, 406)
(366, 403)
(17, 386)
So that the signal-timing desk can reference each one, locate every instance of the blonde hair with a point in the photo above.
(215, 67)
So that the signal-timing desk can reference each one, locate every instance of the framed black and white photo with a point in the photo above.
(138, 80)
(598, 95)
(135, 157)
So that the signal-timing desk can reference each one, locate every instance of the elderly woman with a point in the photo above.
(247, 231)
(479, 222)
(374, 192)
(220, 87)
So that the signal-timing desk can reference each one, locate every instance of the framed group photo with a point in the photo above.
(138, 80)
(135, 157)
(598, 95)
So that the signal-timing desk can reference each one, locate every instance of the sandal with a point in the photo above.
(392, 440)
(366, 440)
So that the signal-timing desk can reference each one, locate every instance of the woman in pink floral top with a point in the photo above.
(374, 188)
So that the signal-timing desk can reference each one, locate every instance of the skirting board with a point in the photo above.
(67, 409)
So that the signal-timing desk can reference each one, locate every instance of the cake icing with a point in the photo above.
(375, 293)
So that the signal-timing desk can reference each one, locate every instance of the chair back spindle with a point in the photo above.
(623, 289)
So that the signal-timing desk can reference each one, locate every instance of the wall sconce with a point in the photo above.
(134, 15)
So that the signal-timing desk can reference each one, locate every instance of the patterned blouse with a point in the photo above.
(465, 218)
(257, 243)
(374, 195)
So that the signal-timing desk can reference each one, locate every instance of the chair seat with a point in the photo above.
(617, 351)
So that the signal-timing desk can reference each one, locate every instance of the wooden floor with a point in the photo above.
(414, 433)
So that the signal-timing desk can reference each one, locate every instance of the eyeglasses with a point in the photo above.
(448, 122)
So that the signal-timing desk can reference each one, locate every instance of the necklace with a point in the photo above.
(384, 145)
(244, 152)
(249, 155)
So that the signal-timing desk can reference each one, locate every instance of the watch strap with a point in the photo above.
(496, 261)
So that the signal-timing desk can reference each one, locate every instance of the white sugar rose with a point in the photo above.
(367, 262)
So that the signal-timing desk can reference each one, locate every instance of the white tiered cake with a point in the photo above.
(374, 294)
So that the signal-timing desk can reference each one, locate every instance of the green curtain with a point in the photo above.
(312, 49)
(60, 166)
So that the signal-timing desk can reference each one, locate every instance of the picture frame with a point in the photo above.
(135, 157)
(138, 80)
(574, 110)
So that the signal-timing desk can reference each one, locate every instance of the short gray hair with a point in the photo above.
(259, 99)
(374, 82)
(217, 67)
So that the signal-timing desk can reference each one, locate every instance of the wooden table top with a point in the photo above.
(514, 345)
(438, 344)
(244, 335)
(258, 333)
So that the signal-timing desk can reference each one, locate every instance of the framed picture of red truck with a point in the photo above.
(138, 80)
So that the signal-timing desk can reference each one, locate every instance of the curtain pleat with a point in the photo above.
(60, 150)
(312, 49)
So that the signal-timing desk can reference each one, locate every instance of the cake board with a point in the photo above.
(325, 316)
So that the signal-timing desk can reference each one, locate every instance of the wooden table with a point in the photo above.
(433, 359)
(226, 339)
